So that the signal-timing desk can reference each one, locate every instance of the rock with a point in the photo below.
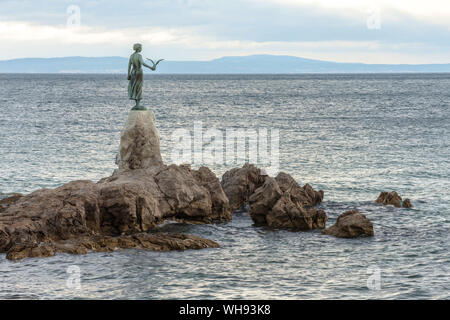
(139, 142)
(221, 210)
(320, 219)
(350, 224)
(392, 198)
(281, 203)
(304, 196)
(48, 214)
(128, 202)
(132, 201)
(263, 200)
(286, 214)
(82, 245)
(407, 203)
(83, 215)
(185, 197)
(30, 250)
(240, 183)
(10, 199)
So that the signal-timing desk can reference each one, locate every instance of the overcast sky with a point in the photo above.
(395, 31)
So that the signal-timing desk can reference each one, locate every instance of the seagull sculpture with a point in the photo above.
(154, 63)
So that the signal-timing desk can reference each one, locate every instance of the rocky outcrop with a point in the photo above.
(82, 245)
(240, 183)
(119, 211)
(282, 203)
(407, 203)
(275, 202)
(220, 210)
(303, 196)
(139, 142)
(287, 214)
(392, 198)
(141, 194)
(263, 200)
(350, 224)
(10, 199)
(129, 202)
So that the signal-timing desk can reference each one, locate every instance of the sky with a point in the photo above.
(368, 31)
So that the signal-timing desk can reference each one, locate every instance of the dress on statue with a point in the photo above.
(135, 84)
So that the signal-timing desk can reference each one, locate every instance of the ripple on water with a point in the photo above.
(350, 135)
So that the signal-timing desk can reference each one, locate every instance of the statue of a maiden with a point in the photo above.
(136, 76)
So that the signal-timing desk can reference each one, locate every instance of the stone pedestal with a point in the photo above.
(139, 142)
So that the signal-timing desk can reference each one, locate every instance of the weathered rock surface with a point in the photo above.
(288, 215)
(282, 203)
(139, 142)
(276, 202)
(240, 183)
(392, 198)
(82, 245)
(407, 203)
(129, 202)
(220, 210)
(140, 195)
(120, 210)
(350, 224)
(263, 200)
(303, 196)
(10, 199)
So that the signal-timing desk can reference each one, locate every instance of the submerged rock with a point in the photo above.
(407, 203)
(82, 245)
(392, 198)
(350, 224)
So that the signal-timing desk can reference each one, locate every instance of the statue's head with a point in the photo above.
(137, 47)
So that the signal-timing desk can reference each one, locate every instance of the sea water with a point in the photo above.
(352, 136)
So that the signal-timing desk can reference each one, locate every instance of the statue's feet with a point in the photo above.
(139, 108)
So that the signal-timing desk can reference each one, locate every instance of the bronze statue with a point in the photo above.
(136, 75)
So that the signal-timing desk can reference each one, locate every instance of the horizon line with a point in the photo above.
(232, 56)
(236, 74)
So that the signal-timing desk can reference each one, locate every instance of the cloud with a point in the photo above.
(434, 11)
(23, 31)
(202, 29)
(182, 44)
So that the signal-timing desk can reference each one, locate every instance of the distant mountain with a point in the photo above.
(242, 64)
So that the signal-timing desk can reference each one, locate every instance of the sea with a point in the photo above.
(351, 135)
